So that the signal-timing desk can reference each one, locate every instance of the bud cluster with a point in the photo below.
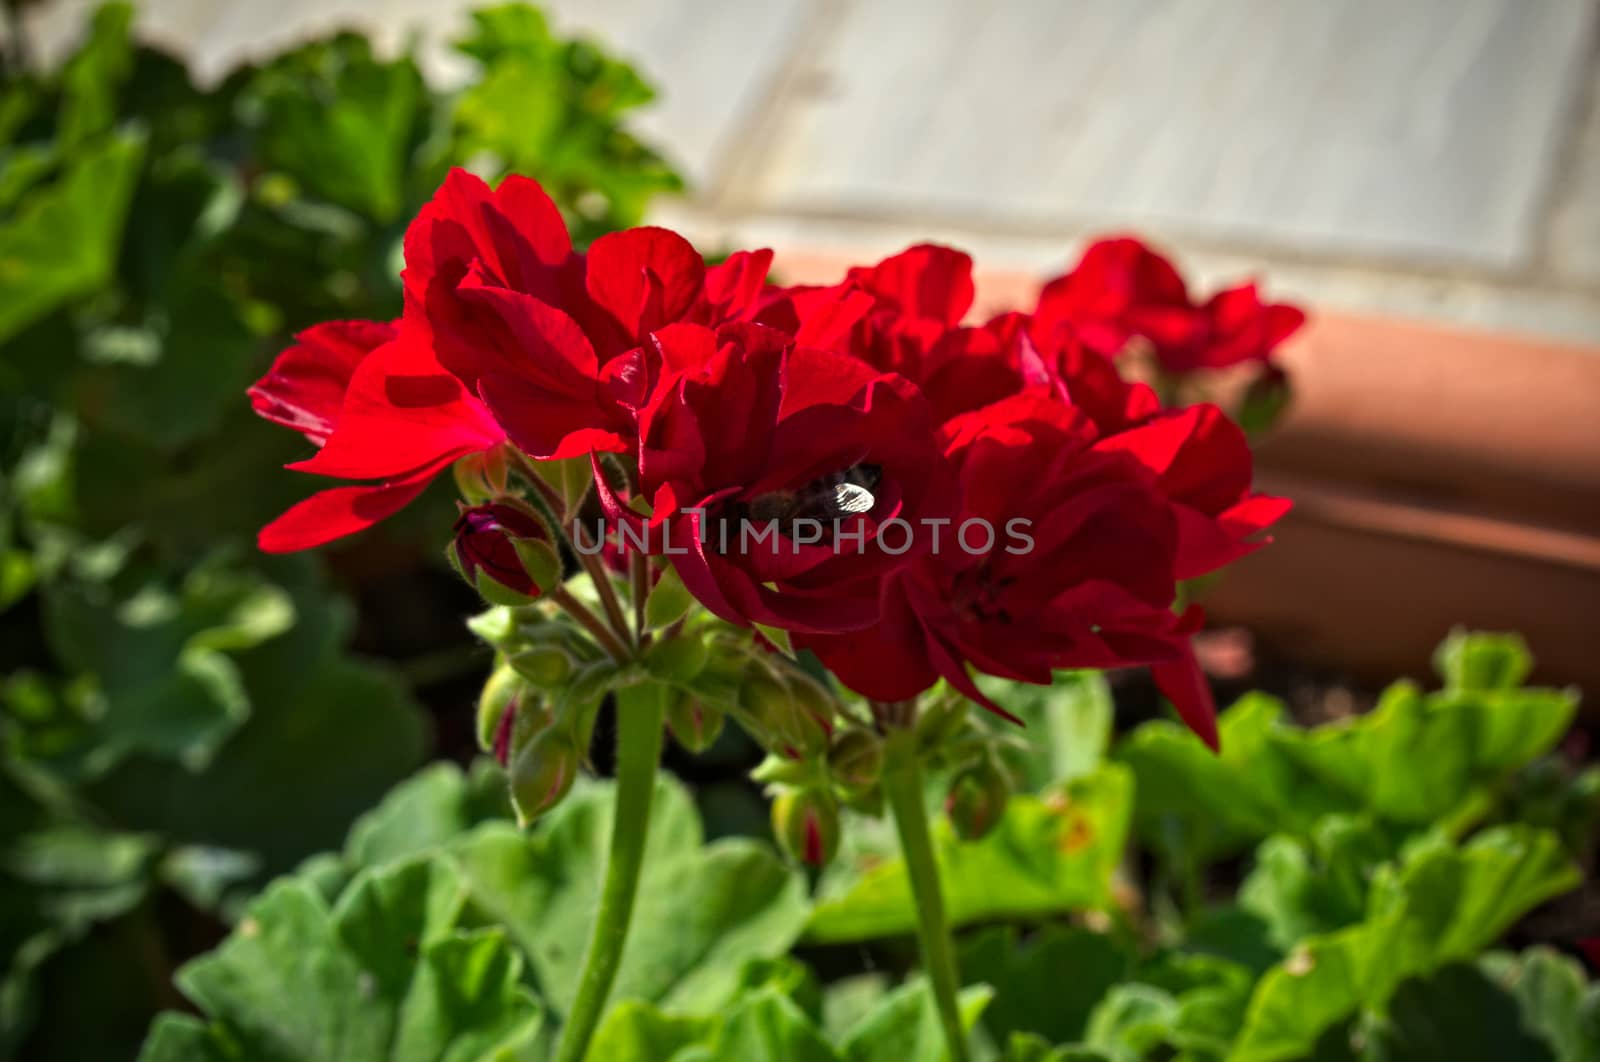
(536, 712)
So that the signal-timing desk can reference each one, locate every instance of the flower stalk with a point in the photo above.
(641, 714)
(902, 785)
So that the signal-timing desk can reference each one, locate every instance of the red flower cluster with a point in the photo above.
(910, 496)
(1121, 290)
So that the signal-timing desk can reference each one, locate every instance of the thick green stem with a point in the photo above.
(902, 784)
(641, 713)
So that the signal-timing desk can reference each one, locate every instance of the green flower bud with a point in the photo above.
(806, 823)
(542, 773)
(677, 659)
(1265, 400)
(940, 720)
(977, 798)
(496, 625)
(779, 717)
(481, 477)
(855, 759)
(502, 690)
(695, 724)
(545, 666)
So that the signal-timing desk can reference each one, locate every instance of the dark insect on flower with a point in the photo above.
(836, 496)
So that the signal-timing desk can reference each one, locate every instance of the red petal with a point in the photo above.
(545, 424)
(307, 383)
(332, 514)
(923, 281)
(644, 278)
(382, 433)
(1185, 686)
(733, 286)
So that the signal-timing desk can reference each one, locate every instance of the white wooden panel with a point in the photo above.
(1415, 129)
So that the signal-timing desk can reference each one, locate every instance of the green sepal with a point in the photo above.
(669, 600)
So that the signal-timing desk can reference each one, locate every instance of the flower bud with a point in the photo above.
(545, 666)
(806, 823)
(695, 724)
(481, 476)
(542, 773)
(939, 721)
(778, 714)
(855, 759)
(976, 799)
(677, 659)
(495, 707)
(505, 553)
(570, 478)
(1264, 400)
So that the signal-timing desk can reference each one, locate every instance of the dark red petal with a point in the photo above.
(1184, 684)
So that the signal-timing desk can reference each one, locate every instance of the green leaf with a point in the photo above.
(1301, 889)
(1131, 1021)
(1444, 904)
(1045, 856)
(1415, 760)
(182, 1038)
(905, 1025)
(553, 110)
(1047, 984)
(199, 355)
(748, 904)
(1027, 1047)
(1069, 723)
(1233, 933)
(92, 78)
(764, 1026)
(634, 1031)
(427, 811)
(61, 241)
(161, 661)
(341, 123)
(1456, 1013)
(1211, 805)
(1558, 1003)
(1469, 660)
(388, 974)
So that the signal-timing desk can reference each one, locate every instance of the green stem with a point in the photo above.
(608, 639)
(608, 593)
(641, 714)
(902, 784)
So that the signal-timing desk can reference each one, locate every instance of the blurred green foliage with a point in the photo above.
(1355, 935)
(181, 719)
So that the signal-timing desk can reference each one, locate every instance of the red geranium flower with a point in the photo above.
(1084, 580)
(550, 338)
(1121, 290)
(381, 409)
(753, 448)
(1200, 459)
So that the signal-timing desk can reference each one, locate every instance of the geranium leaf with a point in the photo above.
(1442, 905)
(1046, 855)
